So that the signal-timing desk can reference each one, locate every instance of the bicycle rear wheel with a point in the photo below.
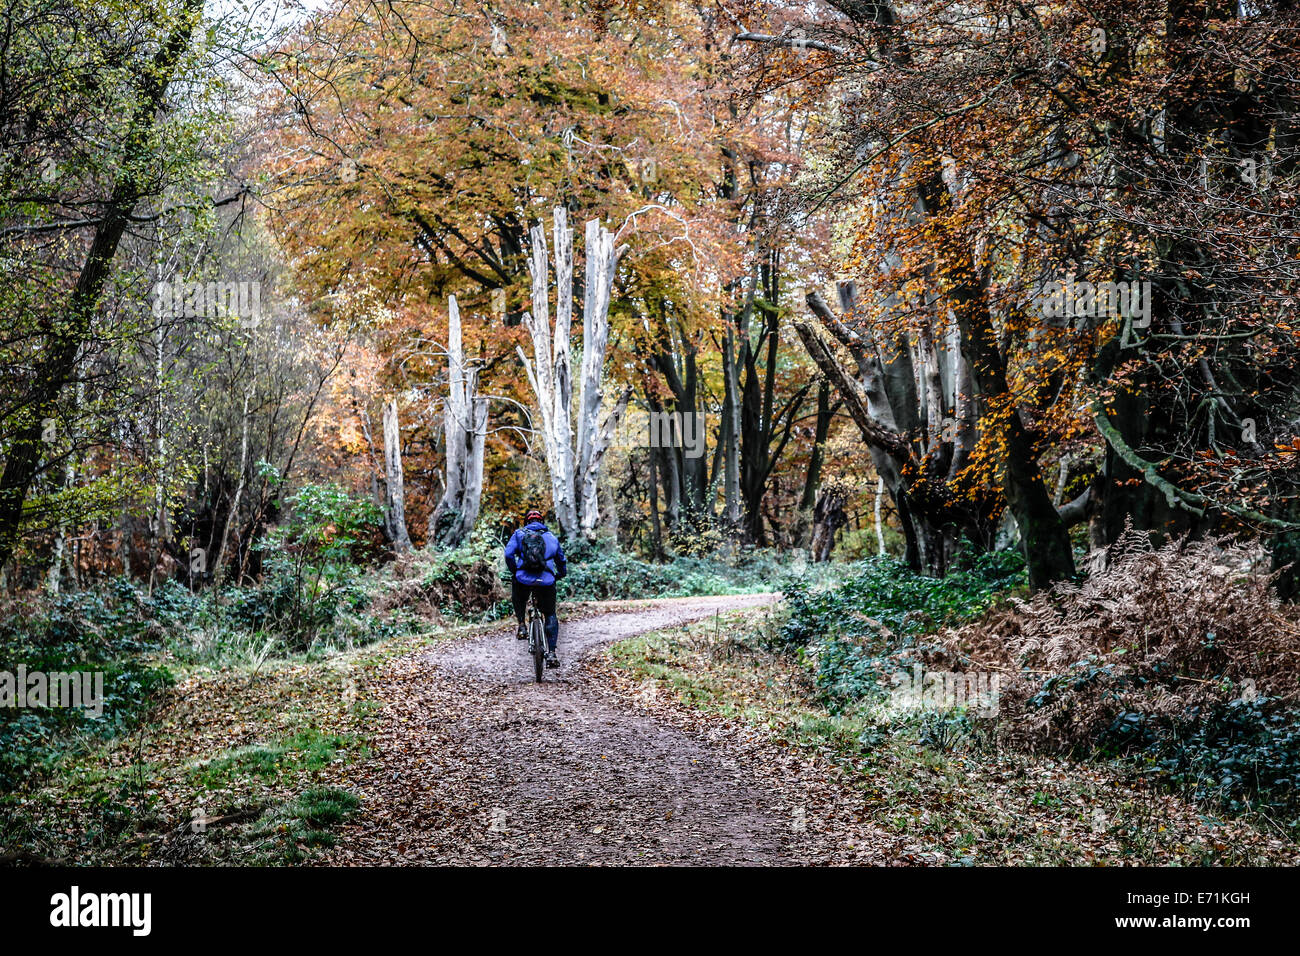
(537, 641)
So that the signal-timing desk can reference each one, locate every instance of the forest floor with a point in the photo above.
(669, 735)
(478, 764)
(666, 737)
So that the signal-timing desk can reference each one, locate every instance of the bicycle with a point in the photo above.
(536, 638)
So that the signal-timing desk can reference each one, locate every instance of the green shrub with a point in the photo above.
(858, 623)
(311, 568)
(111, 631)
(862, 544)
(1239, 755)
(603, 573)
(466, 582)
(883, 593)
(331, 527)
(848, 672)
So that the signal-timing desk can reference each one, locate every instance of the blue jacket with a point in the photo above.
(556, 566)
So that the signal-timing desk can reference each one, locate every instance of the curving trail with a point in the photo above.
(477, 764)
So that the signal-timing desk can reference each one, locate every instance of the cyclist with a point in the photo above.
(536, 561)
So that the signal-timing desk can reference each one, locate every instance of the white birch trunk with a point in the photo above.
(158, 528)
(594, 436)
(541, 375)
(465, 430)
(396, 490)
(575, 472)
(591, 476)
(561, 361)
(475, 441)
(455, 412)
(55, 575)
(880, 530)
(62, 553)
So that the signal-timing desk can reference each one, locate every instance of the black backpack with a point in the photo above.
(532, 549)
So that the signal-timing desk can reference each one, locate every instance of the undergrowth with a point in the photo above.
(934, 780)
(1179, 661)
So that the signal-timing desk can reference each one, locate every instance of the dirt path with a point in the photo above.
(475, 763)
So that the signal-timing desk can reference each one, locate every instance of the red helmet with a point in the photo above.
(533, 514)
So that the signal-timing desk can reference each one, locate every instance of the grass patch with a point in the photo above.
(297, 829)
(307, 751)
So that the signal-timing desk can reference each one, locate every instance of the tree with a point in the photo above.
(988, 158)
(920, 440)
(412, 157)
(395, 483)
(138, 116)
(465, 416)
(574, 473)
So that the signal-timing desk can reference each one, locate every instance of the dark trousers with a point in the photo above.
(545, 597)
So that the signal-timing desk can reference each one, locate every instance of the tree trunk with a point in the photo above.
(1045, 540)
(62, 553)
(677, 361)
(731, 429)
(218, 559)
(575, 473)
(158, 526)
(656, 530)
(880, 528)
(764, 429)
(594, 435)
(828, 518)
(465, 431)
(541, 375)
(929, 528)
(812, 480)
(561, 361)
(395, 504)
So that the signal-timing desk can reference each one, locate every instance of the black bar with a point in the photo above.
(322, 906)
